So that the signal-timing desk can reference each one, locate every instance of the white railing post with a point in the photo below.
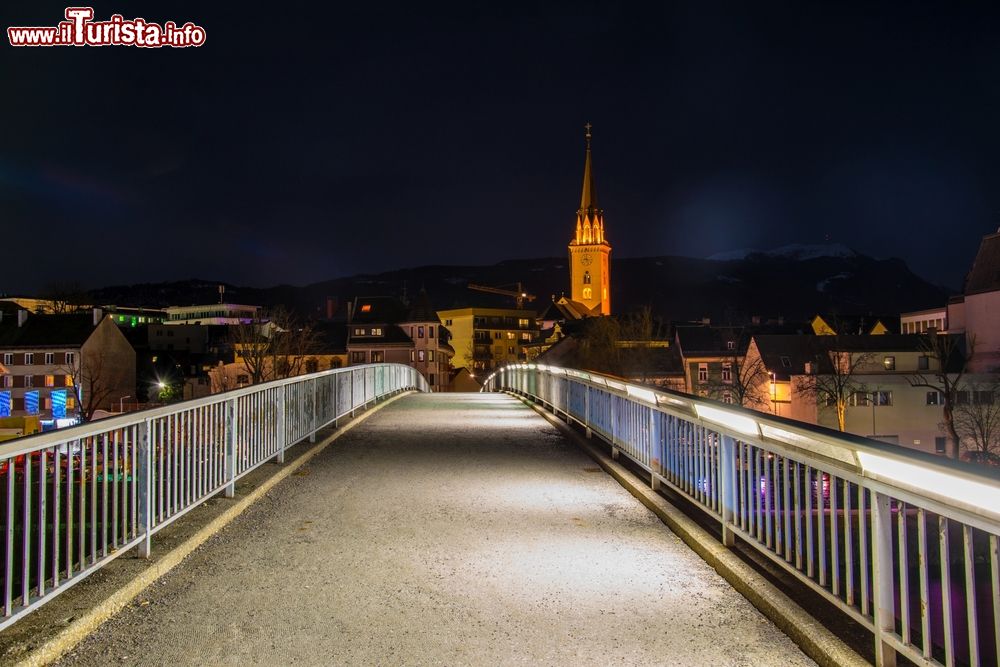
(282, 433)
(144, 490)
(586, 410)
(655, 451)
(882, 579)
(315, 419)
(232, 424)
(727, 483)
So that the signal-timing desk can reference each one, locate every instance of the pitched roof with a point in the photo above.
(421, 310)
(787, 355)
(70, 330)
(713, 341)
(378, 310)
(985, 273)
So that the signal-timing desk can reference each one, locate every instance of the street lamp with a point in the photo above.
(121, 403)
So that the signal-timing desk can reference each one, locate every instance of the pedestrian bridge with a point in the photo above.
(466, 528)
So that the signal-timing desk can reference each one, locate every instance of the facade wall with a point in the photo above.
(982, 322)
(45, 378)
(488, 338)
(108, 354)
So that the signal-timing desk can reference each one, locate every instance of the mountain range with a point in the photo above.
(794, 282)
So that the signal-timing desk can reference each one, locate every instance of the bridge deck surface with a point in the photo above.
(445, 529)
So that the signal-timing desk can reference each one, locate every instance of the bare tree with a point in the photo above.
(636, 334)
(599, 349)
(273, 346)
(946, 365)
(743, 379)
(833, 380)
(65, 297)
(977, 419)
(91, 384)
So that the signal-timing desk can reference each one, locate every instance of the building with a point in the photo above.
(977, 312)
(487, 338)
(589, 252)
(922, 321)
(213, 313)
(64, 366)
(880, 375)
(713, 362)
(383, 329)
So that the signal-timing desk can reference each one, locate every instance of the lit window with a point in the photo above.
(50, 380)
(377, 331)
(727, 373)
(421, 355)
(68, 381)
(420, 332)
(366, 308)
(889, 363)
(702, 372)
(430, 355)
(359, 332)
(413, 355)
(70, 402)
(882, 398)
(588, 293)
(510, 335)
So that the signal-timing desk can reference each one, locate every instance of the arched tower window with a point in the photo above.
(586, 277)
(588, 293)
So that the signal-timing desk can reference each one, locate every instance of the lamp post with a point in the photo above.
(121, 403)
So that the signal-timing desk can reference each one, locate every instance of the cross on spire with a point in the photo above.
(587, 127)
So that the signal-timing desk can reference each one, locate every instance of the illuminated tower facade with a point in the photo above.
(589, 251)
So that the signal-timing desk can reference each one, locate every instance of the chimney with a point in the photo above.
(98, 316)
(22, 317)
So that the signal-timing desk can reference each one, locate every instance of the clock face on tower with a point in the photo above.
(586, 260)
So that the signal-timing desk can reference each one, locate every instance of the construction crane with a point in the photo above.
(520, 296)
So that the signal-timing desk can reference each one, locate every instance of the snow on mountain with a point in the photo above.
(796, 251)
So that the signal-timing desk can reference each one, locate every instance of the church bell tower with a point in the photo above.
(589, 251)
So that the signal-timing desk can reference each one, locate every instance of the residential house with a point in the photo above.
(64, 366)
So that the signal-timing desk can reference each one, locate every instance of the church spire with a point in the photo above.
(588, 200)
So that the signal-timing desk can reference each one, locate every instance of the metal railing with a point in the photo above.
(74, 499)
(903, 542)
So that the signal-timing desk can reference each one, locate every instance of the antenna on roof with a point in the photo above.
(222, 291)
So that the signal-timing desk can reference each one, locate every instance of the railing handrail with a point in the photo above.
(842, 449)
(888, 532)
(36, 441)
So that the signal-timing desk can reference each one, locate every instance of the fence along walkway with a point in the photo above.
(903, 542)
(74, 499)
(445, 529)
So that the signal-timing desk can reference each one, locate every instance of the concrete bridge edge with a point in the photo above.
(815, 640)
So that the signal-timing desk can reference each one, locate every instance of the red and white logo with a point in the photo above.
(80, 29)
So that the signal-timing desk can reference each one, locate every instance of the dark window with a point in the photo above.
(242, 379)
(786, 362)
(312, 365)
(586, 277)
(933, 397)
(923, 363)
(940, 445)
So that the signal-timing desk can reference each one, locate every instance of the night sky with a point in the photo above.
(309, 141)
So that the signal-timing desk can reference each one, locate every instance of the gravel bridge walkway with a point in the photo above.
(446, 529)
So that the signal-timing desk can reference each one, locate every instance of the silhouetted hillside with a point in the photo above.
(795, 284)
